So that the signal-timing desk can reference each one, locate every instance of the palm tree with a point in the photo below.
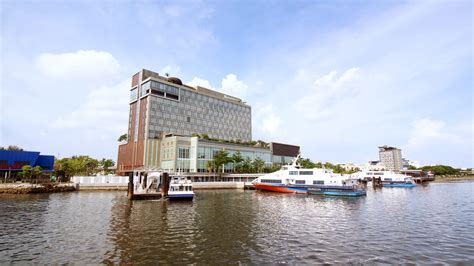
(258, 165)
(236, 159)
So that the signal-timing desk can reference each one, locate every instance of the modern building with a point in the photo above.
(11, 162)
(407, 163)
(191, 154)
(165, 114)
(391, 157)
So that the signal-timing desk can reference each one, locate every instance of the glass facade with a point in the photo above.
(185, 112)
(281, 160)
(134, 95)
(205, 153)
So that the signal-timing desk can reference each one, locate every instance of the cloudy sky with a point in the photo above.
(338, 78)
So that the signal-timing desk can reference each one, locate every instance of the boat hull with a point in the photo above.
(340, 193)
(399, 185)
(337, 191)
(281, 188)
(180, 196)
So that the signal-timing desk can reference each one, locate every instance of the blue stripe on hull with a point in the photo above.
(399, 185)
(301, 190)
(340, 193)
(181, 197)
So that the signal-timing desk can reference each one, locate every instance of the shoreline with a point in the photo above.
(449, 179)
(27, 188)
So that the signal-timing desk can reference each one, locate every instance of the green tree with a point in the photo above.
(246, 166)
(411, 167)
(104, 164)
(237, 159)
(25, 172)
(441, 169)
(123, 138)
(36, 172)
(221, 158)
(211, 166)
(14, 148)
(306, 163)
(258, 165)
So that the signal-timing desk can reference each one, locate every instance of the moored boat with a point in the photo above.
(180, 188)
(294, 179)
(388, 178)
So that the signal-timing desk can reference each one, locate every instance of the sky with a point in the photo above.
(338, 78)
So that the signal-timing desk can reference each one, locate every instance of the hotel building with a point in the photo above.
(391, 157)
(164, 116)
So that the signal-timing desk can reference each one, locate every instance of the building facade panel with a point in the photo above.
(179, 110)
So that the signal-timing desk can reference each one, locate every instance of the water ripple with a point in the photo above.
(427, 224)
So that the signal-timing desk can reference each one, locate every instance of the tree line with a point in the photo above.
(11, 148)
(240, 164)
(81, 165)
(338, 169)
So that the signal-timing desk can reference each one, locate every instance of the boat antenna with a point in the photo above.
(294, 163)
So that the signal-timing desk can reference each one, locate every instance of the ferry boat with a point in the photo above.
(180, 188)
(293, 179)
(388, 178)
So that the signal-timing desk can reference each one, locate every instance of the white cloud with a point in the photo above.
(234, 87)
(230, 85)
(266, 120)
(426, 131)
(104, 113)
(200, 82)
(322, 98)
(78, 65)
(171, 70)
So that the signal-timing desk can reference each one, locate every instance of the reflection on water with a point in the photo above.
(426, 224)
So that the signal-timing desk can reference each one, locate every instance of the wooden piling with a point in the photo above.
(165, 181)
(377, 182)
(130, 186)
(145, 177)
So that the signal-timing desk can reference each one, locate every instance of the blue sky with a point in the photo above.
(339, 78)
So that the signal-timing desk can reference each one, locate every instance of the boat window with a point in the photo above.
(388, 179)
(378, 173)
(318, 182)
(306, 172)
(271, 181)
(369, 173)
(302, 182)
(293, 172)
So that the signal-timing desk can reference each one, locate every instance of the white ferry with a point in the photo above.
(293, 179)
(388, 178)
(180, 188)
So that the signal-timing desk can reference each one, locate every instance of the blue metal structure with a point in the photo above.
(15, 160)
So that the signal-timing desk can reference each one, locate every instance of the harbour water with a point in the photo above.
(425, 224)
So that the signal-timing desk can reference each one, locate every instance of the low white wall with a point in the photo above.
(103, 179)
(217, 185)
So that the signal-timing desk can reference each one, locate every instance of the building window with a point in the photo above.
(188, 119)
(306, 172)
(183, 153)
(271, 181)
(133, 95)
